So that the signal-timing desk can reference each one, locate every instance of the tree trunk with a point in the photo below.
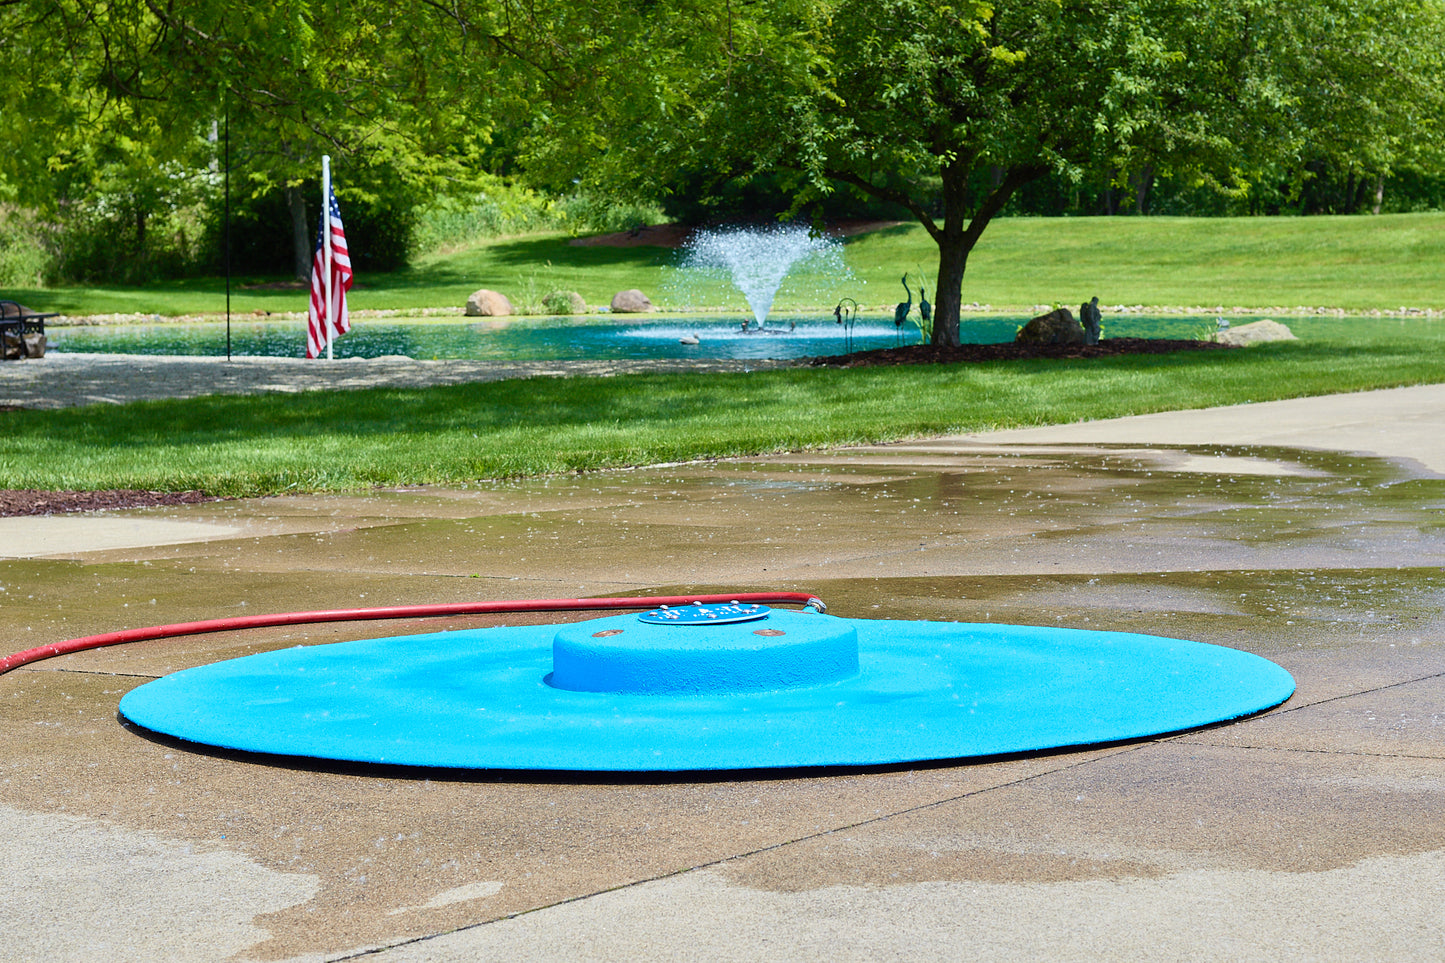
(1111, 203)
(1379, 201)
(948, 289)
(958, 235)
(300, 236)
(953, 248)
(1144, 180)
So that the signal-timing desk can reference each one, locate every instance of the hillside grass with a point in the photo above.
(1354, 263)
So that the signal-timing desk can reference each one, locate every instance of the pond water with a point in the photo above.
(547, 339)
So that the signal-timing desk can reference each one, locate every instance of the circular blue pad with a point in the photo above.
(792, 689)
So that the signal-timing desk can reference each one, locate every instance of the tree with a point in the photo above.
(368, 81)
(948, 110)
(986, 99)
(1366, 102)
(102, 169)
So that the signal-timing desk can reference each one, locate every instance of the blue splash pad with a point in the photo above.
(487, 699)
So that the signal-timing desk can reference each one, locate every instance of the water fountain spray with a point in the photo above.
(757, 259)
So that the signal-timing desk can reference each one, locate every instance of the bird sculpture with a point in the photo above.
(925, 310)
(900, 313)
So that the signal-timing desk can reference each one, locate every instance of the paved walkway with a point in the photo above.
(1402, 423)
(1307, 532)
(66, 380)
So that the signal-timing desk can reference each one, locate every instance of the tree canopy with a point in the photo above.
(128, 99)
(946, 110)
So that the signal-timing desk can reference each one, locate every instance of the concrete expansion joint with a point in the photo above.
(1315, 751)
(1285, 710)
(92, 672)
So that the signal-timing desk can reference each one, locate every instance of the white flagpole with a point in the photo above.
(326, 327)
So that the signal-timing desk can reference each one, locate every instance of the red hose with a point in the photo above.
(392, 612)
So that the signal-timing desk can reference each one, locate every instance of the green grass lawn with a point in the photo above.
(1355, 263)
(349, 440)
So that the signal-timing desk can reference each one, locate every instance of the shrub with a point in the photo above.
(110, 239)
(564, 302)
(24, 262)
(504, 209)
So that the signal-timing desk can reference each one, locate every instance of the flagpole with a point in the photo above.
(326, 308)
(227, 229)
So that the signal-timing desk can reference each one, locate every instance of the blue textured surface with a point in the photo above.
(924, 690)
(701, 657)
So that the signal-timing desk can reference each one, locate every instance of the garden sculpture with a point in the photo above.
(900, 313)
(1092, 320)
(847, 312)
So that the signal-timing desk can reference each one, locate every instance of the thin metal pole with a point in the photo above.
(326, 246)
(226, 111)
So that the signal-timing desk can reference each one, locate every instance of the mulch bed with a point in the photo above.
(1011, 351)
(29, 501)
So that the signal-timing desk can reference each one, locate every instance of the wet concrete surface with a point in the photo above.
(1313, 831)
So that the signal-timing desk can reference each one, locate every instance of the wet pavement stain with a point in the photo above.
(1332, 568)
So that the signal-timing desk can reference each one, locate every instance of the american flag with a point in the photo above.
(323, 325)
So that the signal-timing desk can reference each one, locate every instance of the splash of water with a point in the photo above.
(757, 259)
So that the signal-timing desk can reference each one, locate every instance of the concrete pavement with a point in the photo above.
(61, 380)
(1400, 423)
(1306, 531)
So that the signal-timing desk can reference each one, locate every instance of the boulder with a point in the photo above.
(564, 302)
(631, 301)
(1256, 332)
(488, 304)
(1056, 327)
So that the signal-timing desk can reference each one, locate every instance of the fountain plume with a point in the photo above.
(756, 260)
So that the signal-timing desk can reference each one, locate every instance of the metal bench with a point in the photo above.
(18, 322)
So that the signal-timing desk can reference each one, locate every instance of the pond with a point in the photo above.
(548, 339)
